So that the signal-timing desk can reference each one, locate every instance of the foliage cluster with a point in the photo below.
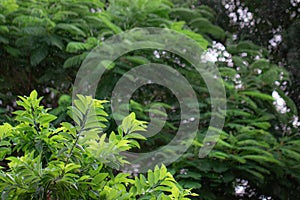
(74, 161)
(45, 42)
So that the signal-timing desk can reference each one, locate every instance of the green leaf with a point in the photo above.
(46, 119)
(291, 153)
(99, 178)
(262, 125)
(261, 159)
(203, 25)
(258, 94)
(74, 47)
(151, 177)
(75, 61)
(203, 43)
(70, 28)
(33, 95)
(140, 60)
(138, 185)
(135, 136)
(110, 25)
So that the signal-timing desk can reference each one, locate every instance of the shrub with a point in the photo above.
(76, 160)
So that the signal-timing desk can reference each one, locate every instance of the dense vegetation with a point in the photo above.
(270, 23)
(48, 154)
(53, 166)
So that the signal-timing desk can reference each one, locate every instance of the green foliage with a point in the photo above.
(252, 145)
(69, 152)
(45, 35)
(73, 161)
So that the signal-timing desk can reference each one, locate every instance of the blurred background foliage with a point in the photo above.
(255, 45)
